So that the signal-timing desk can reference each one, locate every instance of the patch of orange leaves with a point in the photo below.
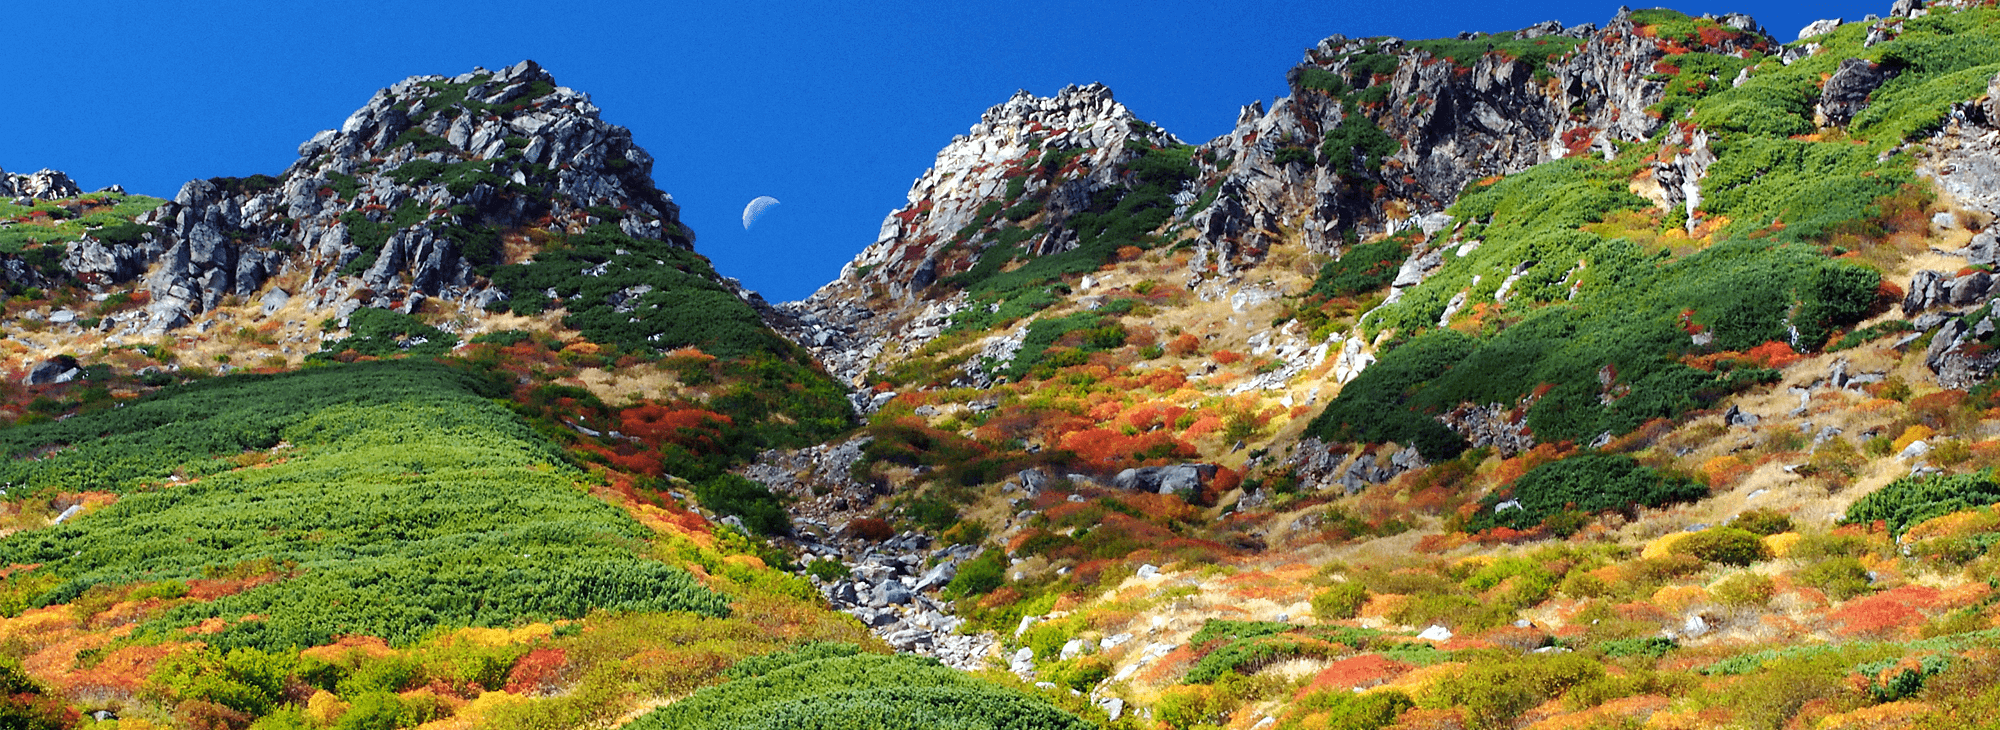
(1364, 671)
(1621, 712)
(1890, 614)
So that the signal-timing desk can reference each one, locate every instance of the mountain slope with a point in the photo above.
(1489, 333)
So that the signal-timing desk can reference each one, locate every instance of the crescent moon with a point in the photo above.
(756, 209)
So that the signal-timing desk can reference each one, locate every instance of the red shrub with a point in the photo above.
(1773, 354)
(870, 528)
(691, 428)
(1228, 357)
(1107, 447)
(541, 672)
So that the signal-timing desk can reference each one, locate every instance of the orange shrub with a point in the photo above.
(1723, 471)
(1149, 415)
(1109, 447)
(1228, 357)
(1772, 354)
(541, 672)
(1164, 381)
(1204, 425)
(1514, 468)
(1184, 345)
(1887, 615)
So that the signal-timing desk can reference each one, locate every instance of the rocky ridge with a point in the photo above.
(416, 197)
(1451, 116)
(1083, 127)
(45, 184)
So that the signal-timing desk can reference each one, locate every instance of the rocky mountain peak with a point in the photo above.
(43, 185)
(1028, 157)
(419, 194)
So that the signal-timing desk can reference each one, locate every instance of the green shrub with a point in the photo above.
(381, 332)
(1587, 482)
(1349, 711)
(1908, 501)
(1357, 145)
(828, 569)
(1493, 694)
(1342, 601)
(1650, 646)
(1361, 269)
(760, 510)
(758, 666)
(932, 514)
(246, 680)
(978, 576)
(1725, 545)
(860, 692)
(428, 506)
(1744, 590)
(1840, 578)
(1762, 521)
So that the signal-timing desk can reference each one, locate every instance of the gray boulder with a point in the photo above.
(1165, 479)
(51, 370)
(1846, 92)
(1819, 28)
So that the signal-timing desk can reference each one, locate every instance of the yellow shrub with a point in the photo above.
(1782, 543)
(1662, 546)
(324, 708)
(1911, 435)
(1679, 598)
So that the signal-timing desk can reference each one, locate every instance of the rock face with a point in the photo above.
(1080, 136)
(1377, 135)
(817, 481)
(412, 198)
(44, 185)
(1452, 122)
(1963, 160)
(1846, 93)
(890, 591)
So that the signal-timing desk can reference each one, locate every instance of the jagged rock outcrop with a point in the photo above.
(1845, 94)
(1321, 466)
(42, 185)
(411, 198)
(1452, 123)
(1432, 119)
(1067, 147)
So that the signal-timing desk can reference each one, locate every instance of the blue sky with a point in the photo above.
(833, 108)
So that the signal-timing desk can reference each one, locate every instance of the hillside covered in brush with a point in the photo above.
(1635, 375)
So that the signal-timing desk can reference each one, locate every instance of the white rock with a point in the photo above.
(1023, 662)
(1436, 633)
(1819, 28)
(1914, 450)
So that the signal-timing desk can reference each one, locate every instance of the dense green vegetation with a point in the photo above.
(1117, 217)
(399, 501)
(1535, 52)
(637, 294)
(1361, 269)
(1910, 500)
(1587, 483)
(821, 689)
(381, 332)
(1587, 309)
(105, 216)
(1096, 330)
(39, 234)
